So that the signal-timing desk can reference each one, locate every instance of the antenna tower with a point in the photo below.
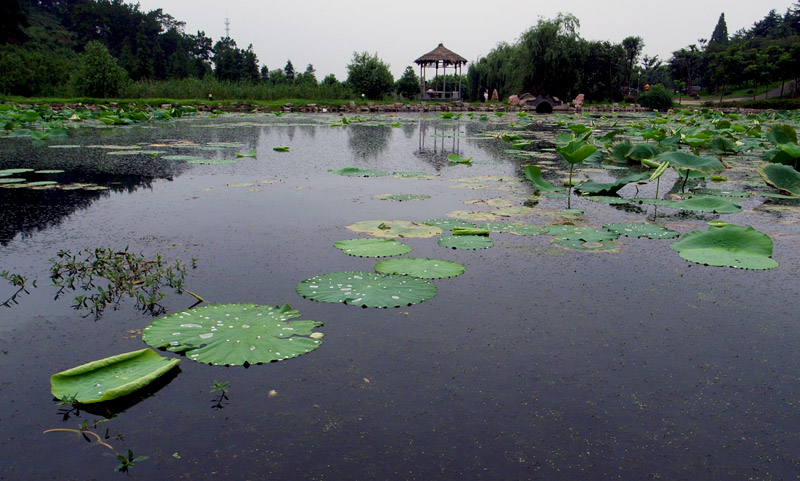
(227, 27)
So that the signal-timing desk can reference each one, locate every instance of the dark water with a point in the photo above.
(537, 363)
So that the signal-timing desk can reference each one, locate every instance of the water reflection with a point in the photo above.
(437, 140)
(368, 141)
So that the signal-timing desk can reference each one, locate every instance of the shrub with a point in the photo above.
(98, 74)
(657, 98)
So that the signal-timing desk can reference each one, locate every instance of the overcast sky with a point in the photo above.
(325, 33)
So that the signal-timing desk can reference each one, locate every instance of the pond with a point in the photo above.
(612, 359)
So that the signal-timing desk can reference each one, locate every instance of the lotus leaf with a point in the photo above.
(608, 199)
(182, 157)
(496, 202)
(6, 172)
(534, 174)
(609, 188)
(781, 134)
(686, 161)
(402, 197)
(643, 151)
(41, 183)
(576, 151)
(233, 334)
(282, 148)
(472, 215)
(112, 377)
(449, 224)
(516, 228)
(366, 289)
(11, 180)
(454, 159)
(581, 232)
(592, 246)
(423, 268)
(372, 247)
(466, 242)
(722, 193)
(470, 231)
(394, 228)
(782, 177)
(49, 171)
(512, 211)
(212, 162)
(357, 172)
(637, 229)
(708, 204)
(413, 175)
(736, 246)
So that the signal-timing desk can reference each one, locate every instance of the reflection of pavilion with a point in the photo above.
(437, 140)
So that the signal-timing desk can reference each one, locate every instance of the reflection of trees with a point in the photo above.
(368, 141)
(437, 140)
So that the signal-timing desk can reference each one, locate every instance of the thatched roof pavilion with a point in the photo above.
(444, 57)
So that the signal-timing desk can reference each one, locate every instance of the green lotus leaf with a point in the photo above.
(466, 242)
(609, 188)
(402, 197)
(793, 150)
(366, 289)
(515, 228)
(722, 145)
(234, 334)
(781, 134)
(470, 231)
(112, 377)
(782, 177)
(11, 180)
(682, 161)
(454, 159)
(182, 157)
(640, 229)
(608, 199)
(418, 267)
(49, 171)
(581, 232)
(6, 172)
(212, 162)
(736, 246)
(778, 156)
(775, 195)
(471, 215)
(357, 172)
(449, 224)
(708, 204)
(372, 247)
(251, 153)
(394, 228)
(512, 211)
(282, 148)
(534, 174)
(496, 202)
(619, 151)
(722, 193)
(591, 246)
(576, 151)
(40, 183)
(413, 175)
(643, 151)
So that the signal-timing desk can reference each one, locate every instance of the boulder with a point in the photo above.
(513, 100)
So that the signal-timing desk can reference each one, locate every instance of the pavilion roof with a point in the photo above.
(441, 54)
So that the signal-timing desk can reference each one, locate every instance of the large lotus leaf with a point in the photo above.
(728, 246)
(515, 228)
(394, 228)
(418, 267)
(357, 172)
(708, 204)
(778, 156)
(722, 144)
(781, 134)
(640, 229)
(619, 151)
(448, 224)
(643, 151)
(372, 247)
(722, 192)
(782, 177)
(466, 242)
(112, 377)
(610, 188)
(687, 161)
(534, 174)
(581, 232)
(234, 334)
(366, 289)
(576, 151)
(792, 150)
(472, 215)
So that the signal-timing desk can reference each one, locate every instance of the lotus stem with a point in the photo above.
(194, 295)
(569, 190)
(683, 187)
(66, 430)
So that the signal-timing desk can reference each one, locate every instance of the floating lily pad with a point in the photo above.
(110, 378)
(182, 157)
(466, 242)
(591, 246)
(708, 204)
(449, 224)
(394, 228)
(6, 172)
(372, 247)
(402, 197)
(49, 171)
(496, 202)
(512, 211)
(471, 215)
(366, 289)
(454, 159)
(40, 183)
(516, 228)
(722, 192)
(581, 232)
(234, 334)
(357, 172)
(225, 144)
(11, 180)
(212, 162)
(413, 175)
(250, 153)
(782, 177)
(282, 148)
(741, 247)
(418, 267)
(639, 229)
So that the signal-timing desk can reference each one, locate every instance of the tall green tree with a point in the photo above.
(288, 70)
(719, 37)
(633, 48)
(408, 84)
(369, 75)
(98, 74)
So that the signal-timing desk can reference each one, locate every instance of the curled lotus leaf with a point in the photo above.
(358, 172)
(581, 232)
(394, 228)
(683, 161)
(741, 247)
(111, 377)
(366, 289)
(466, 242)
(372, 247)
(610, 188)
(708, 204)
(641, 229)
(534, 174)
(782, 177)
(234, 334)
(423, 268)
